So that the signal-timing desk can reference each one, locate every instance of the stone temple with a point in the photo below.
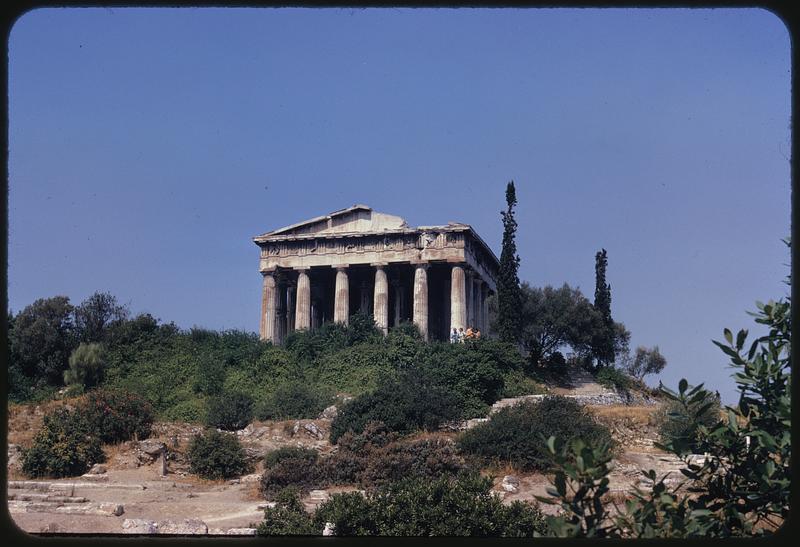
(326, 268)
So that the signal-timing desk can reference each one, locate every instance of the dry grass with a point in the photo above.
(644, 414)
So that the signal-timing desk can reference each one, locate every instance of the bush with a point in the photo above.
(516, 434)
(287, 518)
(679, 424)
(378, 456)
(447, 506)
(86, 366)
(294, 400)
(295, 467)
(65, 446)
(614, 378)
(230, 411)
(404, 404)
(117, 415)
(516, 383)
(216, 455)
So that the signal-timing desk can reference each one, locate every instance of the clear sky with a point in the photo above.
(148, 146)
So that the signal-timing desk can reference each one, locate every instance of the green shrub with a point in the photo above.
(216, 455)
(446, 506)
(190, 411)
(289, 467)
(679, 424)
(294, 400)
(404, 404)
(354, 370)
(209, 377)
(230, 411)
(66, 446)
(288, 517)
(614, 378)
(289, 452)
(86, 367)
(117, 415)
(516, 434)
(516, 383)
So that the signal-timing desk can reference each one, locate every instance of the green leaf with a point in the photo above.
(682, 385)
(728, 335)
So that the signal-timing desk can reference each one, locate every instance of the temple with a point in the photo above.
(356, 259)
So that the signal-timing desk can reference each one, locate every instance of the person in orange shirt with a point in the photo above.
(470, 333)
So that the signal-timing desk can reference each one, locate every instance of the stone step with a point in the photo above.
(49, 486)
(100, 509)
(45, 497)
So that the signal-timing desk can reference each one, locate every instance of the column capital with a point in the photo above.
(380, 265)
(419, 263)
(340, 266)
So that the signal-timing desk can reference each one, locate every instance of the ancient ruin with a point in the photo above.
(356, 259)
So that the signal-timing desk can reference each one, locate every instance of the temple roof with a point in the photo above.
(356, 221)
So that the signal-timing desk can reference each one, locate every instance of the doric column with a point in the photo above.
(380, 307)
(484, 309)
(476, 300)
(341, 309)
(302, 315)
(262, 322)
(291, 292)
(398, 301)
(458, 310)
(269, 305)
(421, 298)
(468, 305)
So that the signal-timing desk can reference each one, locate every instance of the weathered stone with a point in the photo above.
(183, 527)
(97, 469)
(139, 526)
(329, 529)
(105, 509)
(14, 457)
(510, 484)
(329, 413)
(314, 430)
(151, 448)
(253, 477)
(241, 532)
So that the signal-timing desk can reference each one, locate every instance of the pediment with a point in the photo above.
(355, 219)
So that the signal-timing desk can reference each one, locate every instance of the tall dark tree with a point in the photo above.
(603, 344)
(96, 314)
(42, 339)
(509, 296)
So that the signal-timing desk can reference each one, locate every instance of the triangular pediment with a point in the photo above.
(355, 219)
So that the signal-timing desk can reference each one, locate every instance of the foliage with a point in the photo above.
(65, 446)
(516, 433)
(404, 404)
(96, 314)
(116, 415)
(216, 455)
(517, 383)
(86, 366)
(741, 488)
(292, 400)
(614, 378)
(288, 517)
(509, 297)
(680, 425)
(553, 318)
(646, 361)
(210, 376)
(603, 339)
(230, 411)
(446, 506)
(289, 467)
(41, 341)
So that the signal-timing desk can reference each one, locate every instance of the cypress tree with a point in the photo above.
(604, 340)
(509, 297)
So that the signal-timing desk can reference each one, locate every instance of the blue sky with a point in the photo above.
(148, 146)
